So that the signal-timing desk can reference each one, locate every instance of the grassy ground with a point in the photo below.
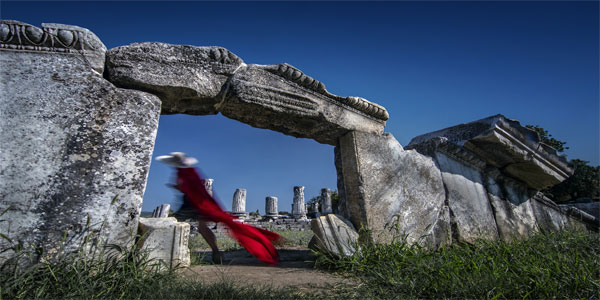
(564, 265)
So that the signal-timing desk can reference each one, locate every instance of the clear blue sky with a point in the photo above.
(431, 64)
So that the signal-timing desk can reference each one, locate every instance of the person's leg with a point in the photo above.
(210, 238)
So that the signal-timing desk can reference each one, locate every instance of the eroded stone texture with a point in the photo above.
(186, 78)
(504, 144)
(393, 192)
(467, 199)
(548, 215)
(334, 234)
(282, 98)
(166, 240)
(75, 149)
(492, 170)
(513, 210)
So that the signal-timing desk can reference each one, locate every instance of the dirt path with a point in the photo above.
(294, 270)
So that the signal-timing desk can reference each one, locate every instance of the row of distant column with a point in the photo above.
(298, 206)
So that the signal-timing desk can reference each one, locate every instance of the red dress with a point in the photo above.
(256, 240)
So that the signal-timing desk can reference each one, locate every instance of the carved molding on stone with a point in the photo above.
(15, 35)
(502, 143)
(363, 105)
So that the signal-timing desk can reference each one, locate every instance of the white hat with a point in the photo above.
(178, 160)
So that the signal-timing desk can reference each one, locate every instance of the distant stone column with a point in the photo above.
(314, 207)
(326, 202)
(161, 211)
(271, 207)
(208, 183)
(239, 203)
(298, 207)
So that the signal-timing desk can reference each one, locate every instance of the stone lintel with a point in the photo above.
(207, 80)
(504, 144)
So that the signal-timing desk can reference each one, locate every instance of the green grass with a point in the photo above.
(128, 274)
(555, 265)
(561, 265)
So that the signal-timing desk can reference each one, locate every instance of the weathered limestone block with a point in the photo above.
(75, 149)
(334, 234)
(392, 192)
(592, 208)
(238, 206)
(511, 201)
(326, 201)
(504, 144)
(298, 206)
(282, 98)
(161, 211)
(271, 207)
(548, 215)
(186, 78)
(467, 199)
(166, 240)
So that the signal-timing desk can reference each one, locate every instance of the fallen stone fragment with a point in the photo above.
(334, 235)
(166, 240)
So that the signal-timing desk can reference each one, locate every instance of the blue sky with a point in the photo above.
(431, 64)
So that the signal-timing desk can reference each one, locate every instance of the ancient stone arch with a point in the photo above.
(78, 125)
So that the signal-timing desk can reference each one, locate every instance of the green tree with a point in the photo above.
(584, 183)
(547, 138)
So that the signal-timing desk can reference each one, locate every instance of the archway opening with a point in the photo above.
(236, 155)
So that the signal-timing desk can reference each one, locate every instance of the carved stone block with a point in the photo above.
(505, 145)
(186, 78)
(282, 98)
(166, 240)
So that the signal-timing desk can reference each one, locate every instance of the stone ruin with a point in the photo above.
(78, 124)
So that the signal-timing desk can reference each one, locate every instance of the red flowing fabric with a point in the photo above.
(256, 240)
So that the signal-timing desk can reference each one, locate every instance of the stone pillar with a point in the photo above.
(314, 207)
(271, 207)
(326, 202)
(208, 184)
(161, 211)
(75, 148)
(238, 208)
(298, 207)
